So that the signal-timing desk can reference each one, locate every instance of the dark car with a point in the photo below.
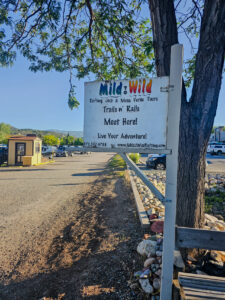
(61, 153)
(156, 162)
(3, 155)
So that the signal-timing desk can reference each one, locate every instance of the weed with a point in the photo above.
(117, 162)
(135, 157)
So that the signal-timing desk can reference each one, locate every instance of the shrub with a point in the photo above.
(117, 162)
(135, 157)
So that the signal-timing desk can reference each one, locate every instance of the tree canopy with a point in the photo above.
(109, 39)
(105, 38)
(5, 131)
(50, 140)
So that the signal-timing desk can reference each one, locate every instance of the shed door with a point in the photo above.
(20, 151)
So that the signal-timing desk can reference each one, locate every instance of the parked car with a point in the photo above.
(156, 161)
(212, 145)
(62, 152)
(48, 150)
(217, 149)
(3, 155)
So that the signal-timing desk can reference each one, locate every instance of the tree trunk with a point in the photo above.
(198, 114)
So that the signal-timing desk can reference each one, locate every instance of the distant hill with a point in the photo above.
(40, 133)
(64, 132)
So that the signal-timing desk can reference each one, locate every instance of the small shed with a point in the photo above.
(24, 150)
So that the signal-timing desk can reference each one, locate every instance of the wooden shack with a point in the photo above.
(24, 150)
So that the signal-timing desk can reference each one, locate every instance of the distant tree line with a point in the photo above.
(69, 140)
(48, 138)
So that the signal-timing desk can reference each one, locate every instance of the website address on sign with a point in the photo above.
(125, 145)
(139, 145)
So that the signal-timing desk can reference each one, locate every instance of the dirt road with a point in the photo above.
(67, 230)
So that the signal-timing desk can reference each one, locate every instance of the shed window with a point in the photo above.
(37, 147)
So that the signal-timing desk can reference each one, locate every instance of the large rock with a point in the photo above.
(157, 226)
(218, 256)
(178, 260)
(156, 283)
(149, 261)
(146, 286)
(147, 247)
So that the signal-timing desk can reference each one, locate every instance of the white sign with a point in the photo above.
(126, 113)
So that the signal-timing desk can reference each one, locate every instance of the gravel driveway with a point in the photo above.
(36, 203)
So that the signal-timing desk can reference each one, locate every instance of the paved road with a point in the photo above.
(216, 163)
(36, 203)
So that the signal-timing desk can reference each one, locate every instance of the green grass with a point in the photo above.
(117, 162)
(3, 165)
(214, 200)
(135, 157)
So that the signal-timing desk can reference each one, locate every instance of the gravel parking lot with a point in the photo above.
(36, 202)
(68, 231)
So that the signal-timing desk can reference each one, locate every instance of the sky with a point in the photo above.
(39, 100)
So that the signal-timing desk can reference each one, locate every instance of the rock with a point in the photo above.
(159, 260)
(158, 253)
(149, 261)
(218, 256)
(154, 267)
(158, 272)
(138, 274)
(216, 264)
(207, 227)
(146, 247)
(159, 241)
(146, 236)
(152, 216)
(157, 226)
(134, 286)
(178, 260)
(210, 218)
(153, 238)
(145, 274)
(156, 283)
(220, 225)
(146, 286)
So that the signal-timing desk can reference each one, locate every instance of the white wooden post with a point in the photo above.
(171, 170)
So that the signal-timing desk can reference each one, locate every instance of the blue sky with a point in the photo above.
(38, 100)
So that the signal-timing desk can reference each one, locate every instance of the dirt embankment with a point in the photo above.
(93, 257)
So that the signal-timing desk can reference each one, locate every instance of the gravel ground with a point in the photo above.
(68, 231)
(36, 202)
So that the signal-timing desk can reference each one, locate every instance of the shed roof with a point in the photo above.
(24, 138)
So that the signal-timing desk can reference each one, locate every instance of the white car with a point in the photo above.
(212, 145)
(48, 150)
(217, 149)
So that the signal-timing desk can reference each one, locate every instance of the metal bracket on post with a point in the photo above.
(171, 170)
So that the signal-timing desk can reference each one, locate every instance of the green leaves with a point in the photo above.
(104, 38)
(72, 100)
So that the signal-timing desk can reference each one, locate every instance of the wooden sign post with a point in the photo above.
(171, 170)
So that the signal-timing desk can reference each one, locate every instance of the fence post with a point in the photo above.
(175, 87)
